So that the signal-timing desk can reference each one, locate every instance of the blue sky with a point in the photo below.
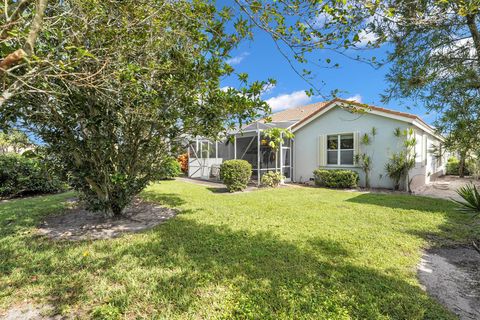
(262, 60)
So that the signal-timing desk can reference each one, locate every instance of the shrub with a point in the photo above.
(398, 167)
(21, 176)
(471, 195)
(170, 169)
(235, 174)
(272, 179)
(183, 160)
(453, 167)
(337, 178)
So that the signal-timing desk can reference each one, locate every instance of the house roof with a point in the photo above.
(402, 116)
(295, 118)
(365, 107)
(298, 113)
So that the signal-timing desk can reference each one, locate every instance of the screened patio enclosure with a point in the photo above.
(250, 144)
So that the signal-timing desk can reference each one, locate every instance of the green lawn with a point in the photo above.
(267, 254)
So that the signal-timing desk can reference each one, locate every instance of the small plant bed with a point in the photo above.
(80, 224)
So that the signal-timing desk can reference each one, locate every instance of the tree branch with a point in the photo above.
(472, 26)
(22, 5)
(37, 24)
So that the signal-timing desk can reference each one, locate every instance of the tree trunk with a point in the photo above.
(36, 26)
(472, 26)
(461, 166)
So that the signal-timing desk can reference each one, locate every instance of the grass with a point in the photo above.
(269, 254)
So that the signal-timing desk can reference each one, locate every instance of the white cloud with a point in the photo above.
(268, 88)
(237, 59)
(225, 89)
(356, 98)
(290, 100)
(366, 38)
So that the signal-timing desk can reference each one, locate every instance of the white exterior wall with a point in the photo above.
(383, 145)
(427, 166)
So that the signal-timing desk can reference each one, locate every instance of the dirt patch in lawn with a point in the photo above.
(452, 277)
(30, 312)
(80, 224)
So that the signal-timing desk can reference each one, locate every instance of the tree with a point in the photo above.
(23, 59)
(276, 138)
(364, 160)
(400, 163)
(150, 75)
(436, 61)
(15, 141)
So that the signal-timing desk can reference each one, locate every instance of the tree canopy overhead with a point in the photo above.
(119, 83)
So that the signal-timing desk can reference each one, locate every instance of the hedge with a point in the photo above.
(453, 167)
(21, 176)
(235, 174)
(336, 178)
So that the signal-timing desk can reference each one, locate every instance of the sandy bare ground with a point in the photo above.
(80, 224)
(445, 187)
(452, 276)
(30, 312)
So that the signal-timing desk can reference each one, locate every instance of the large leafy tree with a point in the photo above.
(131, 80)
(436, 60)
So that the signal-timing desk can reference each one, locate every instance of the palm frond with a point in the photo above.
(471, 195)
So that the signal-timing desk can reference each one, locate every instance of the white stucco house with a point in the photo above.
(327, 135)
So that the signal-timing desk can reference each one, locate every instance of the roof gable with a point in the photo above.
(402, 116)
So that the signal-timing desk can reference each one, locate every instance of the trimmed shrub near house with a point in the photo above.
(170, 169)
(272, 179)
(21, 176)
(235, 174)
(453, 167)
(336, 178)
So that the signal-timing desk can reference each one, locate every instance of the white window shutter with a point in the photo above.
(356, 143)
(321, 150)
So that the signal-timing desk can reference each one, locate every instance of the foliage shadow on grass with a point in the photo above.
(456, 225)
(275, 278)
(404, 202)
(168, 199)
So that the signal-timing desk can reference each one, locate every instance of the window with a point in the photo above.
(340, 149)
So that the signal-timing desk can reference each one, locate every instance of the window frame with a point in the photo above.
(339, 150)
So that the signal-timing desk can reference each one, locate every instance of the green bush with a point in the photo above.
(453, 167)
(170, 169)
(21, 176)
(272, 179)
(235, 174)
(336, 178)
